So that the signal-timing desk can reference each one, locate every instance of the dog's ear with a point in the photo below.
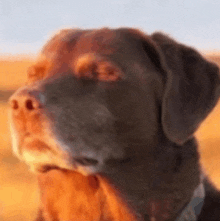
(192, 88)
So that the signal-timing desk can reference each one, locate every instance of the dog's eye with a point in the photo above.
(37, 71)
(94, 67)
(34, 74)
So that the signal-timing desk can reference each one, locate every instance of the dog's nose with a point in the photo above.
(27, 100)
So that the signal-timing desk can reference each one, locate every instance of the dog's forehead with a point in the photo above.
(105, 52)
(104, 41)
(97, 40)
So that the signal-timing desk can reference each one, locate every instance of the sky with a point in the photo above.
(25, 25)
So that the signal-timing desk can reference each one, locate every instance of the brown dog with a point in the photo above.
(107, 121)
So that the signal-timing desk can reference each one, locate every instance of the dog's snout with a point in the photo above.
(27, 100)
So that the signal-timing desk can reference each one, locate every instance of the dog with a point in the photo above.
(107, 119)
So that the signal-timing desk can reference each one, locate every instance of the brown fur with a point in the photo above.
(68, 195)
(107, 121)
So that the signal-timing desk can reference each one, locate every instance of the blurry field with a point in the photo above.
(18, 188)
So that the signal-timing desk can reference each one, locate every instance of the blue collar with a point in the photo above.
(194, 207)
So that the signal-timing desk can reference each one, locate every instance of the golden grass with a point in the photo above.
(12, 73)
(18, 188)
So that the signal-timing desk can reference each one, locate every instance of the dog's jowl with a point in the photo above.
(107, 122)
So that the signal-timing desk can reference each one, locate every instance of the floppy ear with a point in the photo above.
(191, 91)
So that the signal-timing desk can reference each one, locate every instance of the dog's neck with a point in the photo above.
(76, 191)
(160, 210)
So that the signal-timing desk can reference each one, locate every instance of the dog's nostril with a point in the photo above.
(29, 105)
(14, 104)
(27, 100)
(86, 161)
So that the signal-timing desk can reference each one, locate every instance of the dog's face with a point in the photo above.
(114, 103)
(87, 104)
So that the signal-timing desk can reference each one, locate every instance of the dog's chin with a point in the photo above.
(39, 162)
(41, 158)
(43, 161)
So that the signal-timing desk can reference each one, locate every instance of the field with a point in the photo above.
(18, 187)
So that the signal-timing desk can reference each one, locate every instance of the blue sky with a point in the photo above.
(25, 25)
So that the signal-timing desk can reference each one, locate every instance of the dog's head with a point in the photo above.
(111, 102)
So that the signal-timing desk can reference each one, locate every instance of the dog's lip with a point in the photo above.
(47, 167)
(33, 142)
